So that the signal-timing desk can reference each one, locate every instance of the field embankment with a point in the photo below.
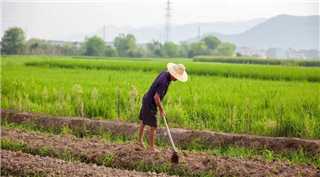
(129, 156)
(18, 163)
(182, 137)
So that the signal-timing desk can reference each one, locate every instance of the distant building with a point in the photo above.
(279, 53)
(294, 54)
(144, 45)
(57, 42)
(110, 43)
(276, 53)
(311, 54)
(76, 44)
(246, 51)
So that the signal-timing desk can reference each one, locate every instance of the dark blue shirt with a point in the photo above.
(160, 86)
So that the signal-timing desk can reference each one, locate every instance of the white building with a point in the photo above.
(294, 54)
(276, 53)
(57, 42)
(253, 52)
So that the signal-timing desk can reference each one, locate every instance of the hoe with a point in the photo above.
(175, 157)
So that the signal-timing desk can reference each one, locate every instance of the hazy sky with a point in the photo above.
(51, 19)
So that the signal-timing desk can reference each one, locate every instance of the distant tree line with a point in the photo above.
(14, 42)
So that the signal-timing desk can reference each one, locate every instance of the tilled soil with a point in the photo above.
(18, 163)
(128, 154)
(181, 137)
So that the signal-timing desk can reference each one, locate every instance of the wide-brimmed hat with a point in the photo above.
(178, 71)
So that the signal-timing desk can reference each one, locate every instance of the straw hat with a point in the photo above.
(178, 71)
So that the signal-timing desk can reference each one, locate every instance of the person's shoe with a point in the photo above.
(140, 144)
(153, 150)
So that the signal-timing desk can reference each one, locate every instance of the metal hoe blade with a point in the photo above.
(175, 158)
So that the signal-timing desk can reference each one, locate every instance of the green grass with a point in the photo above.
(202, 69)
(269, 107)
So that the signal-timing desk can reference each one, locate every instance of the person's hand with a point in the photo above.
(162, 113)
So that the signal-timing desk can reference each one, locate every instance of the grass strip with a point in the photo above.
(263, 72)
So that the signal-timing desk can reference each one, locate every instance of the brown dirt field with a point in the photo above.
(17, 163)
(180, 136)
(126, 154)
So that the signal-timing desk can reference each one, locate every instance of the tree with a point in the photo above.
(13, 41)
(158, 46)
(158, 53)
(154, 49)
(256, 55)
(95, 46)
(124, 44)
(238, 54)
(110, 52)
(226, 49)
(0, 47)
(68, 49)
(184, 49)
(37, 46)
(170, 49)
(197, 48)
(212, 42)
(138, 52)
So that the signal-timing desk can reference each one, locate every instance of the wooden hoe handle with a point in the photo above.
(169, 134)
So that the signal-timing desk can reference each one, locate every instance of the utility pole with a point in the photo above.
(199, 33)
(26, 33)
(160, 38)
(104, 33)
(167, 36)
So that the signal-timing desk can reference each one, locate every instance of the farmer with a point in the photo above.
(153, 98)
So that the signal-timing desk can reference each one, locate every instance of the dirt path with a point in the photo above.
(17, 163)
(182, 137)
(126, 155)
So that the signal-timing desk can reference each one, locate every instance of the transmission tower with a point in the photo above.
(167, 32)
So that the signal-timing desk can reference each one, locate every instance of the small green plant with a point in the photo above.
(107, 161)
(275, 169)
(66, 130)
(44, 151)
(66, 156)
(106, 136)
(268, 155)
(298, 173)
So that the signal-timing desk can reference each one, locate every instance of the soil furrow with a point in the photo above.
(128, 155)
(182, 137)
(18, 163)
